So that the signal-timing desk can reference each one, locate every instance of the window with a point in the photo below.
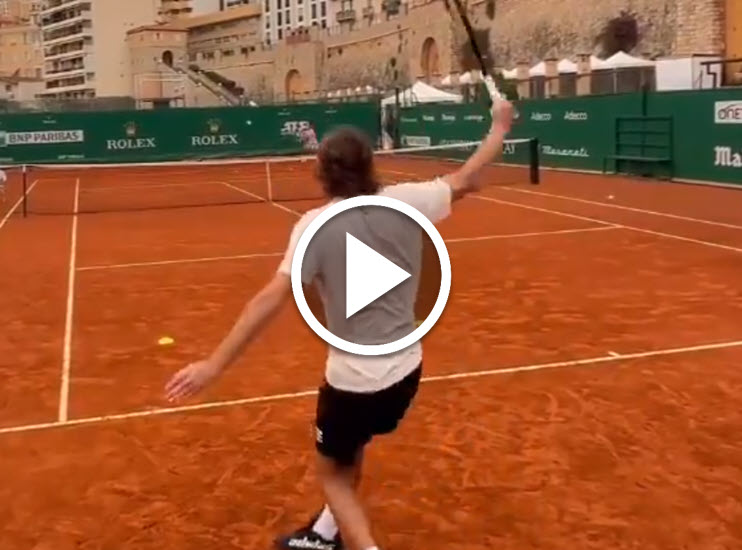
(280, 34)
(301, 18)
(280, 18)
(227, 53)
(314, 11)
(279, 5)
(267, 6)
(244, 51)
(288, 17)
(324, 24)
(323, 9)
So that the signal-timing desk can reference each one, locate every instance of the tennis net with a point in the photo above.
(69, 189)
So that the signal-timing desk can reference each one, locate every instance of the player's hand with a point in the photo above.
(191, 380)
(503, 114)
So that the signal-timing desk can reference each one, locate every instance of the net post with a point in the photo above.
(535, 162)
(24, 180)
(269, 180)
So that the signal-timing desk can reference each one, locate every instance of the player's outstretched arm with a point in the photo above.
(466, 179)
(255, 316)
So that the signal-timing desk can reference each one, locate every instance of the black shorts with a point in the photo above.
(347, 421)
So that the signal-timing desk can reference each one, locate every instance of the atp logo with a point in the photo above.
(304, 131)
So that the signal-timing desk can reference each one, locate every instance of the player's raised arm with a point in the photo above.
(466, 179)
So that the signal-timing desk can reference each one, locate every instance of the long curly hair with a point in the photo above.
(345, 164)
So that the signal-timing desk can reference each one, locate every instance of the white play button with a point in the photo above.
(368, 275)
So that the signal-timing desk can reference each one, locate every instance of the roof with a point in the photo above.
(12, 79)
(231, 14)
(186, 23)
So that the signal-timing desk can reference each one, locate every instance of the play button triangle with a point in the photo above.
(368, 275)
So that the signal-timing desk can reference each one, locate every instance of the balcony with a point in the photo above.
(58, 5)
(65, 72)
(61, 90)
(62, 23)
(346, 16)
(69, 54)
(81, 34)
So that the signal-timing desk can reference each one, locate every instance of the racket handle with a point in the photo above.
(495, 94)
(489, 83)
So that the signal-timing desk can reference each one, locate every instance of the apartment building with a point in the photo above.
(280, 17)
(172, 9)
(84, 41)
(20, 48)
(23, 10)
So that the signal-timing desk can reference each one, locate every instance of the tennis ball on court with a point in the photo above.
(166, 341)
(611, 197)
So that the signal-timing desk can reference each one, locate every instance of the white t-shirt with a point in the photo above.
(374, 373)
(3, 177)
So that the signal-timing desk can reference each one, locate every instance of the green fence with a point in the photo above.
(173, 134)
(707, 132)
(581, 133)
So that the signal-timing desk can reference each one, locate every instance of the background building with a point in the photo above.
(20, 9)
(201, 7)
(281, 17)
(85, 51)
(20, 48)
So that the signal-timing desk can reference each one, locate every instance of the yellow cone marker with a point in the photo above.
(166, 341)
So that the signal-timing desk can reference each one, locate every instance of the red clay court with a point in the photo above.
(582, 388)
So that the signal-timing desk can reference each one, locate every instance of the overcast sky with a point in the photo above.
(205, 6)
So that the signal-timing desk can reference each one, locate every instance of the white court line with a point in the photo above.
(144, 186)
(184, 261)
(15, 206)
(619, 225)
(534, 234)
(278, 254)
(591, 361)
(64, 390)
(261, 199)
(621, 207)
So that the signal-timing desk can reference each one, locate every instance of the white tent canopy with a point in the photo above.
(566, 66)
(420, 92)
(448, 80)
(510, 74)
(470, 77)
(597, 64)
(539, 69)
(622, 60)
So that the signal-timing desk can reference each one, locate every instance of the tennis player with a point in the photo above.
(3, 181)
(362, 397)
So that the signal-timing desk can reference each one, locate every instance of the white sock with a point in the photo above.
(325, 525)
(373, 548)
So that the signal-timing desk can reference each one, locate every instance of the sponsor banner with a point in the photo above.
(445, 117)
(428, 118)
(131, 141)
(541, 117)
(728, 112)
(46, 137)
(551, 151)
(474, 118)
(727, 157)
(408, 119)
(214, 137)
(416, 141)
(576, 116)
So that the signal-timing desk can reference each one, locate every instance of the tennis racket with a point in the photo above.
(489, 82)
